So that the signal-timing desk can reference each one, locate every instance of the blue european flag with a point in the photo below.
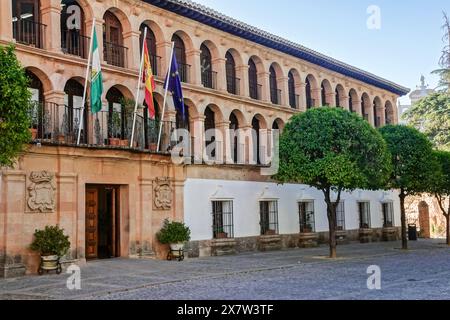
(175, 87)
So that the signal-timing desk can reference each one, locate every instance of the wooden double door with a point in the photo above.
(102, 222)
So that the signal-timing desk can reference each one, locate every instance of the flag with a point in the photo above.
(149, 81)
(96, 78)
(175, 87)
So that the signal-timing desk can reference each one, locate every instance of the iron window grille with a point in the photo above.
(388, 214)
(340, 217)
(307, 218)
(364, 215)
(269, 217)
(222, 216)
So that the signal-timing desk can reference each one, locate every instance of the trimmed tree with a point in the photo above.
(441, 187)
(14, 107)
(333, 150)
(414, 165)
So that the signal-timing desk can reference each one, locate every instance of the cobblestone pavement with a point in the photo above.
(421, 273)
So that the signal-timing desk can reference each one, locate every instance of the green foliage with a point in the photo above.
(15, 107)
(50, 241)
(431, 115)
(413, 162)
(441, 184)
(333, 148)
(174, 232)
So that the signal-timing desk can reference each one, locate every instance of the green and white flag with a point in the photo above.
(96, 78)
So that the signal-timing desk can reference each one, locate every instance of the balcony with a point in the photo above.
(156, 65)
(209, 79)
(73, 43)
(255, 91)
(234, 85)
(59, 124)
(114, 54)
(275, 96)
(294, 101)
(184, 71)
(29, 32)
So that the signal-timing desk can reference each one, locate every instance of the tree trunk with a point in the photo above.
(403, 218)
(331, 213)
(447, 218)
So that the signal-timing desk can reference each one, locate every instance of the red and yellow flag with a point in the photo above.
(149, 81)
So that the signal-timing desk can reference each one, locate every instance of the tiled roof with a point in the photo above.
(235, 27)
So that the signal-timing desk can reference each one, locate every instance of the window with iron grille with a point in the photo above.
(306, 214)
(269, 217)
(222, 216)
(364, 215)
(340, 217)
(388, 214)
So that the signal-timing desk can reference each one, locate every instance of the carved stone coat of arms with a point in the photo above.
(162, 194)
(41, 192)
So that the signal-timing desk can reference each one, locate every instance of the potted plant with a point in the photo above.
(115, 125)
(221, 234)
(52, 244)
(175, 234)
(34, 118)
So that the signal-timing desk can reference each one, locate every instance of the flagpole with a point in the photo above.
(86, 84)
(165, 95)
(138, 89)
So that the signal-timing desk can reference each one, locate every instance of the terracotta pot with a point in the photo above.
(153, 147)
(34, 133)
(114, 142)
(222, 235)
(124, 143)
(61, 138)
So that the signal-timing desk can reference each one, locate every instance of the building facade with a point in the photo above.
(111, 198)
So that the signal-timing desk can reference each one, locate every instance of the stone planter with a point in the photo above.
(176, 251)
(269, 243)
(308, 240)
(50, 263)
(389, 234)
(365, 235)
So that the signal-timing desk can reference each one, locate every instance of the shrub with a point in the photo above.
(174, 232)
(50, 242)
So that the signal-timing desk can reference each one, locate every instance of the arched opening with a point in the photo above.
(230, 69)
(117, 116)
(278, 124)
(151, 126)
(256, 126)
(210, 124)
(377, 112)
(180, 54)
(326, 93)
(113, 50)
(27, 26)
(73, 30)
(183, 123)
(36, 89)
(389, 113)
(352, 100)
(209, 78)
(150, 39)
(72, 112)
(308, 93)
(339, 96)
(275, 94)
(254, 87)
(293, 98)
(365, 106)
(234, 126)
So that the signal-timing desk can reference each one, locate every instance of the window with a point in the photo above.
(306, 213)
(253, 80)
(208, 76)
(27, 28)
(150, 39)
(388, 214)
(293, 98)
(338, 99)
(114, 51)
(73, 40)
(364, 215)
(323, 95)
(230, 68)
(180, 54)
(222, 216)
(274, 92)
(309, 100)
(269, 217)
(340, 217)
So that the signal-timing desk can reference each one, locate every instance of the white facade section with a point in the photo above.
(199, 194)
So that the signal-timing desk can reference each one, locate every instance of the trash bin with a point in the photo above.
(412, 232)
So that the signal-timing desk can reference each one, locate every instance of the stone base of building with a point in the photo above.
(390, 234)
(12, 270)
(208, 248)
(365, 235)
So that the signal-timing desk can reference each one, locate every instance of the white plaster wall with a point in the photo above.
(198, 195)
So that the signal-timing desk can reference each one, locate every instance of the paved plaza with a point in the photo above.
(421, 273)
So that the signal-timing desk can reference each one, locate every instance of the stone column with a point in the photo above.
(56, 97)
(300, 89)
(343, 101)
(282, 84)
(357, 107)
(197, 133)
(146, 209)
(382, 115)
(51, 17)
(6, 31)
(316, 95)
(263, 79)
(133, 54)
(223, 142)
(12, 221)
(194, 74)
(99, 30)
(163, 50)
(242, 74)
(331, 99)
(218, 65)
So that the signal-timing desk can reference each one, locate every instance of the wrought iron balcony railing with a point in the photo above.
(115, 54)
(29, 32)
(72, 42)
(233, 85)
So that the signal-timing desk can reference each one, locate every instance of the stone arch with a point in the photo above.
(256, 67)
(47, 85)
(156, 29)
(187, 40)
(326, 93)
(366, 106)
(378, 116)
(278, 124)
(353, 101)
(340, 97)
(389, 113)
(125, 91)
(311, 91)
(123, 18)
(294, 81)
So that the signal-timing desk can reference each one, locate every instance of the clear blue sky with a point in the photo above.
(408, 44)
